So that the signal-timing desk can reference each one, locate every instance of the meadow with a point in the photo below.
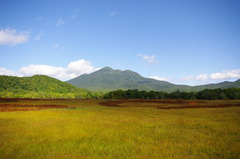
(122, 129)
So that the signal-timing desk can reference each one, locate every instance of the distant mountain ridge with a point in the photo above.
(107, 79)
(225, 84)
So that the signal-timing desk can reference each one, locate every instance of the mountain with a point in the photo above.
(107, 79)
(225, 84)
(35, 86)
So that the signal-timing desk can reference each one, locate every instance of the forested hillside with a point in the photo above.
(108, 79)
(38, 86)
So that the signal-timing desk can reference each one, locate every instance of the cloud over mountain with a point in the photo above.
(7, 72)
(72, 70)
(224, 75)
(160, 78)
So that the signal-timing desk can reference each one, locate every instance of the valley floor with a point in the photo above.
(65, 129)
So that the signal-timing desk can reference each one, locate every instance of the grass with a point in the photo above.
(92, 131)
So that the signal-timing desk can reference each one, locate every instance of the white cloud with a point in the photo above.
(160, 78)
(202, 77)
(60, 21)
(227, 74)
(80, 67)
(149, 58)
(31, 70)
(4, 71)
(73, 69)
(12, 37)
(214, 77)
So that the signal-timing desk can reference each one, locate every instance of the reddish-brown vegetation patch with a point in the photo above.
(8, 100)
(200, 106)
(111, 103)
(117, 103)
(19, 107)
(167, 104)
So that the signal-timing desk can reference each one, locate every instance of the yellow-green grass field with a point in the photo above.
(132, 130)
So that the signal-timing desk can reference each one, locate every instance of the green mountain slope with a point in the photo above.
(107, 79)
(37, 86)
(225, 84)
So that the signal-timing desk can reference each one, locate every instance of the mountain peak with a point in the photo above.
(117, 70)
(108, 79)
(106, 68)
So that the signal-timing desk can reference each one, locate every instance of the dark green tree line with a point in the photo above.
(207, 94)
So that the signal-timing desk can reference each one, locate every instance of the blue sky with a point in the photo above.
(181, 41)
